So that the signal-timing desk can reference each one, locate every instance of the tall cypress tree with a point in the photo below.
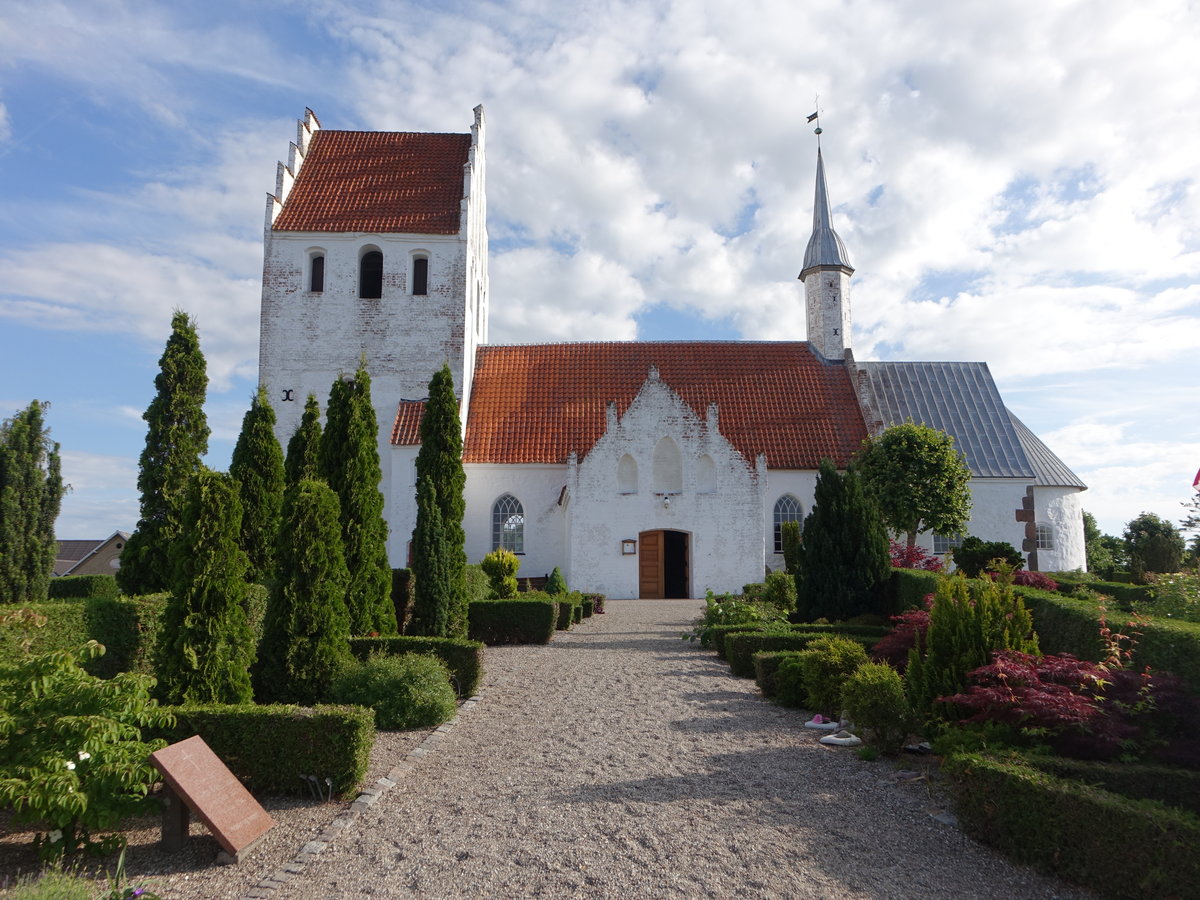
(844, 551)
(304, 447)
(176, 438)
(431, 572)
(257, 466)
(306, 630)
(349, 461)
(439, 462)
(206, 647)
(31, 492)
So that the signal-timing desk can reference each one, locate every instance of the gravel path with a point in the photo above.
(620, 761)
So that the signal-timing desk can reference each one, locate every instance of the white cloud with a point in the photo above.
(103, 496)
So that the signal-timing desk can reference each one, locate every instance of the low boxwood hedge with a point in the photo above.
(1170, 785)
(588, 606)
(1115, 845)
(740, 647)
(1067, 625)
(515, 621)
(270, 747)
(766, 664)
(463, 658)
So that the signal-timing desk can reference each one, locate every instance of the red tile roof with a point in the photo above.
(384, 182)
(407, 429)
(537, 403)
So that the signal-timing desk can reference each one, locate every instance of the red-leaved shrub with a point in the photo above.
(911, 625)
(906, 557)
(1033, 579)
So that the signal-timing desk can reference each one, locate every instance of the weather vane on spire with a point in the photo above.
(816, 117)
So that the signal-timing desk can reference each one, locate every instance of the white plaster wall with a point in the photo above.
(1062, 509)
(724, 524)
(538, 487)
(801, 484)
(994, 505)
(400, 502)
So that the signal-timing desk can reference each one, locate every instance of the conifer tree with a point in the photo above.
(206, 646)
(176, 438)
(304, 447)
(306, 629)
(31, 492)
(431, 572)
(349, 461)
(439, 461)
(844, 551)
(257, 466)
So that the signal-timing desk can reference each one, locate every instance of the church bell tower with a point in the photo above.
(826, 276)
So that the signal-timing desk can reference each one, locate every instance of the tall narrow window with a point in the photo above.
(1045, 537)
(627, 475)
(508, 524)
(787, 509)
(420, 275)
(316, 273)
(370, 275)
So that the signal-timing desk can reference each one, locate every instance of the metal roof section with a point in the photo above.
(825, 248)
(959, 398)
(1049, 470)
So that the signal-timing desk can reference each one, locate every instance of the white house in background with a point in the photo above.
(643, 468)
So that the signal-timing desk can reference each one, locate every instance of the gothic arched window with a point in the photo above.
(787, 509)
(508, 524)
(627, 475)
(370, 275)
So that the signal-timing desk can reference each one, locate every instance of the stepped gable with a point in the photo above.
(392, 182)
(538, 403)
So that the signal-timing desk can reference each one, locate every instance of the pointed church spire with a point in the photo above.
(825, 248)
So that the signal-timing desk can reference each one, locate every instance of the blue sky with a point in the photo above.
(1016, 182)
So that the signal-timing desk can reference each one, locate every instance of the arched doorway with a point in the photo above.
(664, 570)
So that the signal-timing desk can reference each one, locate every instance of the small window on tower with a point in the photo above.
(420, 275)
(316, 273)
(370, 275)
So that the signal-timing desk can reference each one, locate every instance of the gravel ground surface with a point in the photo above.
(618, 761)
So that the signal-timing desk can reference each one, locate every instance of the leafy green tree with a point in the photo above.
(31, 491)
(304, 448)
(73, 760)
(1098, 550)
(349, 463)
(257, 466)
(306, 630)
(918, 479)
(176, 438)
(974, 556)
(845, 550)
(205, 647)
(1153, 544)
(439, 461)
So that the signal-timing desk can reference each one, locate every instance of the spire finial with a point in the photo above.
(816, 117)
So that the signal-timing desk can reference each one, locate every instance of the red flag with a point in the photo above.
(1196, 481)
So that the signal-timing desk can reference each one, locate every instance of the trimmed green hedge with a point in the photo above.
(1117, 846)
(65, 629)
(463, 658)
(1067, 625)
(1169, 785)
(909, 587)
(719, 633)
(588, 606)
(741, 647)
(516, 621)
(83, 586)
(270, 747)
(766, 664)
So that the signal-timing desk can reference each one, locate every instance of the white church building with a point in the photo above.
(643, 468)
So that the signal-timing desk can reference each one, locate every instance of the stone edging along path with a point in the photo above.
(366, 798)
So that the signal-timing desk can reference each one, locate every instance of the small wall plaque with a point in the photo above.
(629, 547)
